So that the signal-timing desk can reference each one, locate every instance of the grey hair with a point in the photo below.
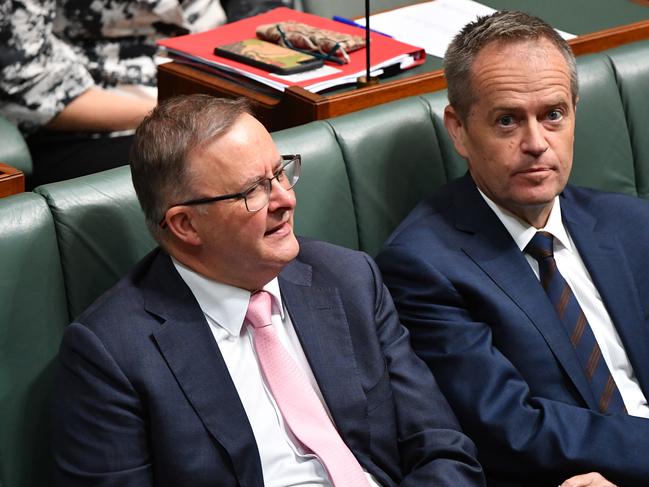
(503, 26)
(163, 142)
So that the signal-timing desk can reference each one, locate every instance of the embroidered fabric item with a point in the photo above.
(303, 37)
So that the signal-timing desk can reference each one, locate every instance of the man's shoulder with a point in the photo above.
(331, 265)
(431, 219)
(123, 304)
(318, 253)
(616, 208)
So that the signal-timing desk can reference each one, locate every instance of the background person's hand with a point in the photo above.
(592, 479)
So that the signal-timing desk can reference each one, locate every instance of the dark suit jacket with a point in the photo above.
(481, 320)
(144, 396)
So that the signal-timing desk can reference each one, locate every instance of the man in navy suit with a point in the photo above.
(549, 381)
(161, 380)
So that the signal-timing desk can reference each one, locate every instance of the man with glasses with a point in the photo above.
(237, 354)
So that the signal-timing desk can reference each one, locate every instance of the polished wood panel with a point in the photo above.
(12, 180)
(296, 105)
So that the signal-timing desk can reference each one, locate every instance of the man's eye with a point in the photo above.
(506, 120)
(555, 115)
(257, 188)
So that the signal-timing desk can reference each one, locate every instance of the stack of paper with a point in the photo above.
(431, 25)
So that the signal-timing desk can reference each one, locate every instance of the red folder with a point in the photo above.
(385, 51)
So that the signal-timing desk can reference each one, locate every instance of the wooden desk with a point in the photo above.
(296, 105)
(12, 180)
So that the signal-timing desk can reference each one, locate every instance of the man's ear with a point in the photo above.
(456, 129)
(180, 222)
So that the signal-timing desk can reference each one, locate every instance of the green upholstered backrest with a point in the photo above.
(33, 314)
(454, 165)
(325, 208)
(603, 158)
(392, 160)
(101, 232)
(630, 65)
(13, 149)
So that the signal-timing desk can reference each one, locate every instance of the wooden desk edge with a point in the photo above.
(12, 180)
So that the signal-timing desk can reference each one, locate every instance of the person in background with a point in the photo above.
(78, 77)
(235, 353)
(528, 297)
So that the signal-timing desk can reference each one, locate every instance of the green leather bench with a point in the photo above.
(66, 243)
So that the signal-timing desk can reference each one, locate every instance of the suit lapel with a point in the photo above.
(607, 264)
(321, 325)
(185, 341)
(492, 249)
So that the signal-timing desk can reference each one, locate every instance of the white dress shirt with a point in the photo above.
(574, 271)
(284, 461)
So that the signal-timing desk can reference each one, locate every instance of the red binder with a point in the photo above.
(385, 51)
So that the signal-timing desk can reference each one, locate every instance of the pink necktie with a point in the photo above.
(298, 402)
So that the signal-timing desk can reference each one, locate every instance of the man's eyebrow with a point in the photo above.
(503, 109)
(558, 102)
(255, 179)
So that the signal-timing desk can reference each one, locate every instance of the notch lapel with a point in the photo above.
(611, 273)
(321, 325)
(189, 348)
(492, 249)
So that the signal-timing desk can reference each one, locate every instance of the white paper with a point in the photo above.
(431, 25)
(324, 70)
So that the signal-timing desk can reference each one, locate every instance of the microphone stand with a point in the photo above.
(367, 80)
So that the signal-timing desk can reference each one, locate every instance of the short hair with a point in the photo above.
(503, 26)
(163, 142)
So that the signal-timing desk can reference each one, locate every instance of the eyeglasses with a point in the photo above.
(256, 196)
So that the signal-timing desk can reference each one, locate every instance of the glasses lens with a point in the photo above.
(257, 196)
(291, 172)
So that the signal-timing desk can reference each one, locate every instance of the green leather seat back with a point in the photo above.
(631, 67)
(324, 201)
(454, 165)
(13, 149)
(603, 158)
(33, 314)
(388, 175)
(101, 232)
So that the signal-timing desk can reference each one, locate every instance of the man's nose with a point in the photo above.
(280, 197)
(534, 141)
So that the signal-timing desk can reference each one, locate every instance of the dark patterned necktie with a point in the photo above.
(573, 319)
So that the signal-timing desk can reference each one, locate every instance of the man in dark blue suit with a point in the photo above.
(173, 378)
(528, 298)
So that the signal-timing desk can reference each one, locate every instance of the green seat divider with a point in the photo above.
(601, 135)
(13, 149)
(33, 315)
(388, 174)
(324, 203)
(631, 66)
(101, 232)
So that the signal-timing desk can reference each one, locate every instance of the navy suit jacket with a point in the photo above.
(481, 320)
(144, 396)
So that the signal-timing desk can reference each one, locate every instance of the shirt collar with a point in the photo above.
(225, 305)
(522, 232)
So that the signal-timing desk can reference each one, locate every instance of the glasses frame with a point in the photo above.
(286, 160)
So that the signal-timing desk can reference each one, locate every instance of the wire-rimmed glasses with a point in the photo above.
(256, 196)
